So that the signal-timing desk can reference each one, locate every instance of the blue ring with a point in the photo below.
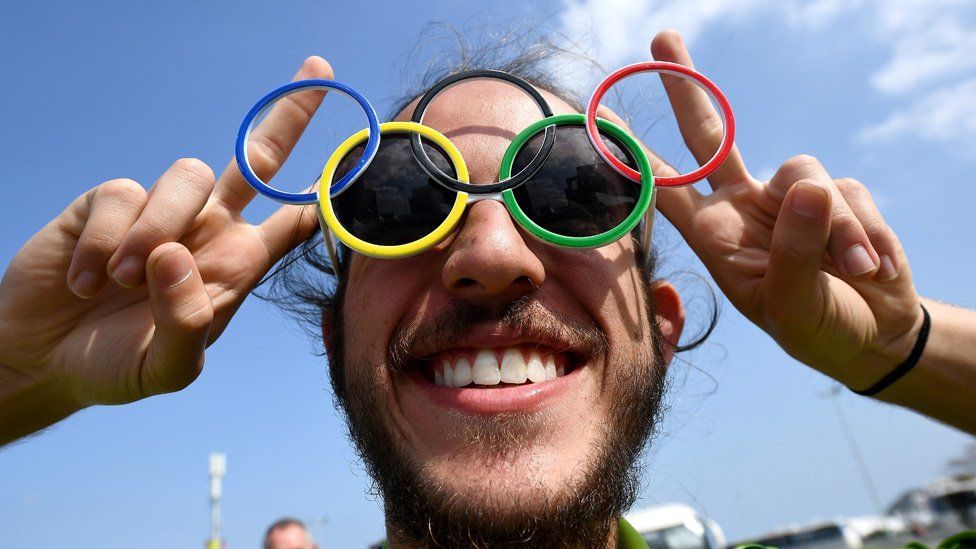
(265, 103)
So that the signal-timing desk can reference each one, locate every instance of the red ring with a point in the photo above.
(675, 70)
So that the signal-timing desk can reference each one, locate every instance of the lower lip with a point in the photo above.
(496, 400)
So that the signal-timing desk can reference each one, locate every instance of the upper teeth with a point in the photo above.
(482, 367)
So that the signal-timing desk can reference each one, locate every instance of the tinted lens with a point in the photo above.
(394, 201)
(575, 193)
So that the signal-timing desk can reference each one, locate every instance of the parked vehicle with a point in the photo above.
(676, 526)
(946, 505)
(831, 534)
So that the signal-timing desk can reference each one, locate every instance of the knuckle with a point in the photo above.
(876, 228)
(98, 243)
(195, 171)
(125, 191)
(708, 131)
(801, 162)
(152, 230)
(303, 105)
(843, 219)
(851, 184)
(264, 152)
(172, 377)
(196, 316)
(853, 190)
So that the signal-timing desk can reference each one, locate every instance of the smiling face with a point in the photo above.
(498, 387)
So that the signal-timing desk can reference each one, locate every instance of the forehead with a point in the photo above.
(482, 116)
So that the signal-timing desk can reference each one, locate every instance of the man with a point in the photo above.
(288, 533)
(154, 279)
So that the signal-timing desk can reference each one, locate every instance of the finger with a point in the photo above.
(274, 138)
(849, 246)
(699, 122)
(882, 238)
(182, 313)
(174, 203)
(109, 211)
(679, 205)
(791, 289)
(287, 228)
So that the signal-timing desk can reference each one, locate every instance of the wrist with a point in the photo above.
(878, 359)
(31, 401)
(907, 365)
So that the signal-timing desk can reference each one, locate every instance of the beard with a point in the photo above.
(580, 512)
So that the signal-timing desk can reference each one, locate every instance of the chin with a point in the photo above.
(513, 460)
(498, 433)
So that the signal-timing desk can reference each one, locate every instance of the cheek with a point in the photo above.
(376, 298)
(381, 294)
(607, 284)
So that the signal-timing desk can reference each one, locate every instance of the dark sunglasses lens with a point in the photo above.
(575, 193)
(394, 201)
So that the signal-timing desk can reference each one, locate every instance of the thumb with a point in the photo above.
(182, 312)
(793, 286)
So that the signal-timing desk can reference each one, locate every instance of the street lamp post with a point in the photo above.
(218, 467)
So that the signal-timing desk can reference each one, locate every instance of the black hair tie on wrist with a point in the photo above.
(910, 362)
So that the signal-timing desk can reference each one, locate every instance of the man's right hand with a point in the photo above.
(116, 298)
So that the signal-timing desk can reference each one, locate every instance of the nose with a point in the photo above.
(489, 259)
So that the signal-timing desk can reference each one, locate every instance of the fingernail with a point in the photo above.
(86, 284)
(887, 271)
(173, 269)
(129, 272)
(858, 261)
(809, 199)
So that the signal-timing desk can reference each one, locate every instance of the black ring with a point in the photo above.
(451, 183)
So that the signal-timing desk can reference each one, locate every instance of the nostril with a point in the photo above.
(463, 283)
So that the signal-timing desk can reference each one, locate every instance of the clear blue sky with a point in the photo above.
(98, 90)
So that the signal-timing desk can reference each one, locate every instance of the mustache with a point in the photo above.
(524, 316)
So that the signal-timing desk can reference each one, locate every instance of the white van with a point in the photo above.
(830, 534)
(676, 526)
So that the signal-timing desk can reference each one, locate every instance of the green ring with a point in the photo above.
(593, 241)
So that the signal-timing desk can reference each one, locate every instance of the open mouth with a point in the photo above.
(496, 367)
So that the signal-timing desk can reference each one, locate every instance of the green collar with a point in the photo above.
(628, 538)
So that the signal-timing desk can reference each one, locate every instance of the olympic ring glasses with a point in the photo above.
(403, 187)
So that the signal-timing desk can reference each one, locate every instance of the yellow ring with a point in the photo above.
(400, 250)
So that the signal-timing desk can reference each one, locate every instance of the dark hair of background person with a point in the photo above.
(282, 523)
(303, 284)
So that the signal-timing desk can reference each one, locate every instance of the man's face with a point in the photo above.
(495, 454)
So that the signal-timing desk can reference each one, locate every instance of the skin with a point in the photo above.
(779, 251)
(290, 537)
(490, 260)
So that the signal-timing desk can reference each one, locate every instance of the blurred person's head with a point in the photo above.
(548, 463)
(288, 533)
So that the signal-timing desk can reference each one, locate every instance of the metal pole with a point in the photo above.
(218, 467)
(856, 451)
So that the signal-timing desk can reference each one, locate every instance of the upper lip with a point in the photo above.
(489, 337)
